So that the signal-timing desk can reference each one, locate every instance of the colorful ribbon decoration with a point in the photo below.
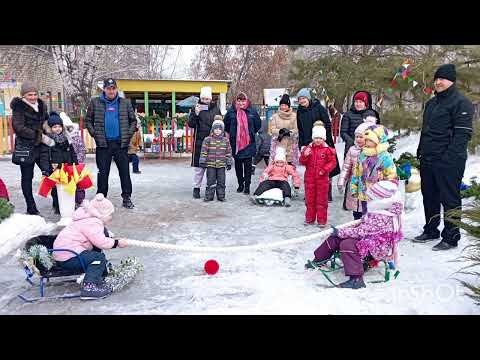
(70, 176)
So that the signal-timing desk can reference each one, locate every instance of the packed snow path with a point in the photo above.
(261, 282)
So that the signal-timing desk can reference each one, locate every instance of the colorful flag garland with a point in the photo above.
(70, 176)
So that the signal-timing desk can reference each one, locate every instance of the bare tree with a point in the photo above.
(250, 67)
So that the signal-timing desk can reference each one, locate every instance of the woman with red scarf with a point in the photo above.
(242, 122)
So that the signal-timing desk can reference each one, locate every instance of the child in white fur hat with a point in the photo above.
(319, 160)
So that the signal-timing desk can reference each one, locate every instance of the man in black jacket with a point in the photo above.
(111, 122)
(446, 131)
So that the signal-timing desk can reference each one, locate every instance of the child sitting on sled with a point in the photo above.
(276, 176)
(86, 236)
(377, 234)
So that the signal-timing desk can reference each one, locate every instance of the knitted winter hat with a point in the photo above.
(218, 123)
(446, 71)
(362, 128)
(319, 131)
(54, 119)
(304, 93)
(242, 96)
(285, 100)
(280, 154)
(382, 190)
(206, 92)
(362, 96)
(370, 116)
(100, 207)
(28, 86)
(377, 133)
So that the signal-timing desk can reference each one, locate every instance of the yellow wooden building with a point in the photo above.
(147, 94)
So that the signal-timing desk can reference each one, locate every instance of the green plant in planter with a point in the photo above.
(6, 209)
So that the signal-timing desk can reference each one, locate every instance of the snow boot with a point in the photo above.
(240, 188)
(33, 211)
(425, 237)
(287, 202)
(127, 202)
(137, 172)
(322, 226)
(246, 190)
(443, 245)
(92, 291)
(314, 264)
(353, 283)
(196, 193)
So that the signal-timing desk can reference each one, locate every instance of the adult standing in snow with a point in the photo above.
(362, 103)
(446, 131)
(242, 122)
(309, 111)
(282, 123)
(111, 121)
(28, 116)
(201, 119)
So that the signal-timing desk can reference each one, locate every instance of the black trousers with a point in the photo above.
(441, 186)
(257, 159)
(243, 170)
(104, 160)
(27, 172)
(272, 184)
(215, 181)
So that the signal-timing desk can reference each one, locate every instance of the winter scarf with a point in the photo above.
(243, 134)
(58, 138)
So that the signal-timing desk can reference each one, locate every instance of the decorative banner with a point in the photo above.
(415, 83)
(70, 176)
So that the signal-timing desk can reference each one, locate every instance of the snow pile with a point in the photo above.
(19, 228)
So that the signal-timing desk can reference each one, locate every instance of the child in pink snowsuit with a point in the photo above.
(86, 235)
(377, 234)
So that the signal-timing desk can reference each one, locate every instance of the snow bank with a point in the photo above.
(18, 228)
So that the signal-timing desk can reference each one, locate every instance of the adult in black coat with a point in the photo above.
(243, 157)
(446, 131)
(28, 115)
(310, 110)
(362, 105)
(201, 119)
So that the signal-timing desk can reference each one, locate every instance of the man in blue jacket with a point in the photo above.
(111, 121)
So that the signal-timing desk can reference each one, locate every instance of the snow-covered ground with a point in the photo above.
(262, 282)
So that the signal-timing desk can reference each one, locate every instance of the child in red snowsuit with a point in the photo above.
(319, 160)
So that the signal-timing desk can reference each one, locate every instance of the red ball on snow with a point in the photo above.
(211, 267)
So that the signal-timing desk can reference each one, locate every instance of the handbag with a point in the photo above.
(23, 155)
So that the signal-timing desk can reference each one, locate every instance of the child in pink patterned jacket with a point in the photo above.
(86, 235)
(377, 234)
(343, 184)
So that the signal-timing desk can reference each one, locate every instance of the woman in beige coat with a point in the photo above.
(284, 131)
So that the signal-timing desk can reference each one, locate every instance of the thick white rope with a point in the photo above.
(227, 249)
